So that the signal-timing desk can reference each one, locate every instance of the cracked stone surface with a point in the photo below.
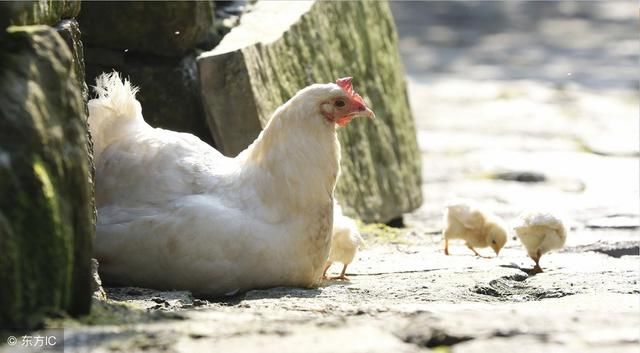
(499, 121)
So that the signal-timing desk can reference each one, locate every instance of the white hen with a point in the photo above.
(174, 213)
(345, 242)
(475, 225)
(540, 232)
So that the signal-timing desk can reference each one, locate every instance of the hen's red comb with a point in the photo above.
(345, 84)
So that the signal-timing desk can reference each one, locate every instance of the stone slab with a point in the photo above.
(281, 47)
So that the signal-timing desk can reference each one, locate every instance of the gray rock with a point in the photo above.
(154, 47)
(621, 221)
(614, 249)
(169, 88)
(280, 48)
(69, 30)
(70, 33)
(96, 283)
(22, 13)
(167, 28)
(46, 217)
(521, 176)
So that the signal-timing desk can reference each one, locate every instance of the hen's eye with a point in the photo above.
(339, 103)
(493, 241)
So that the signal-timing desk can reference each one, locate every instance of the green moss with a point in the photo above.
(9, 271)
(45, 211)
(47, 12)
(47, 187)
(441, 349)
(379, 233)
(381, 165)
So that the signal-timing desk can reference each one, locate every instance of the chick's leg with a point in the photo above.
(326, 267)
(475, 252)
(446, 246)
(342, 276)
(537, 268)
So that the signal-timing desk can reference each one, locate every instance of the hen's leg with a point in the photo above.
(446, 246)
(342, 276)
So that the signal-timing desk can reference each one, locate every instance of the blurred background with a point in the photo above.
(525, 104)
(543, 41)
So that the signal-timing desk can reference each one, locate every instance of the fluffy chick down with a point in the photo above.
(478, 227)
(541, 232)
(345, 242)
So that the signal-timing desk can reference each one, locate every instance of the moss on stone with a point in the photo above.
(381, 168)
(46, 12)
(46, 222)
(381, 233)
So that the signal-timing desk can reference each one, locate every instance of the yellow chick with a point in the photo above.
(345, 242)
(540, 232)
(477, 227)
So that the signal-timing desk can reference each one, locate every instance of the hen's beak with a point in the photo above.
(364, 111)
(369, 113)
(356, 111)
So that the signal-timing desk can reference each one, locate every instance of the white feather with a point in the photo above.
(174, 213)
(114, 112)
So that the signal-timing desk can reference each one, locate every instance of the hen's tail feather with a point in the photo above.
(114, 107)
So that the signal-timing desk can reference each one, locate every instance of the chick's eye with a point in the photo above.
(339, 103)
(493, 241)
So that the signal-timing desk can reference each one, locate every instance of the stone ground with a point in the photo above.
(517, 106)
